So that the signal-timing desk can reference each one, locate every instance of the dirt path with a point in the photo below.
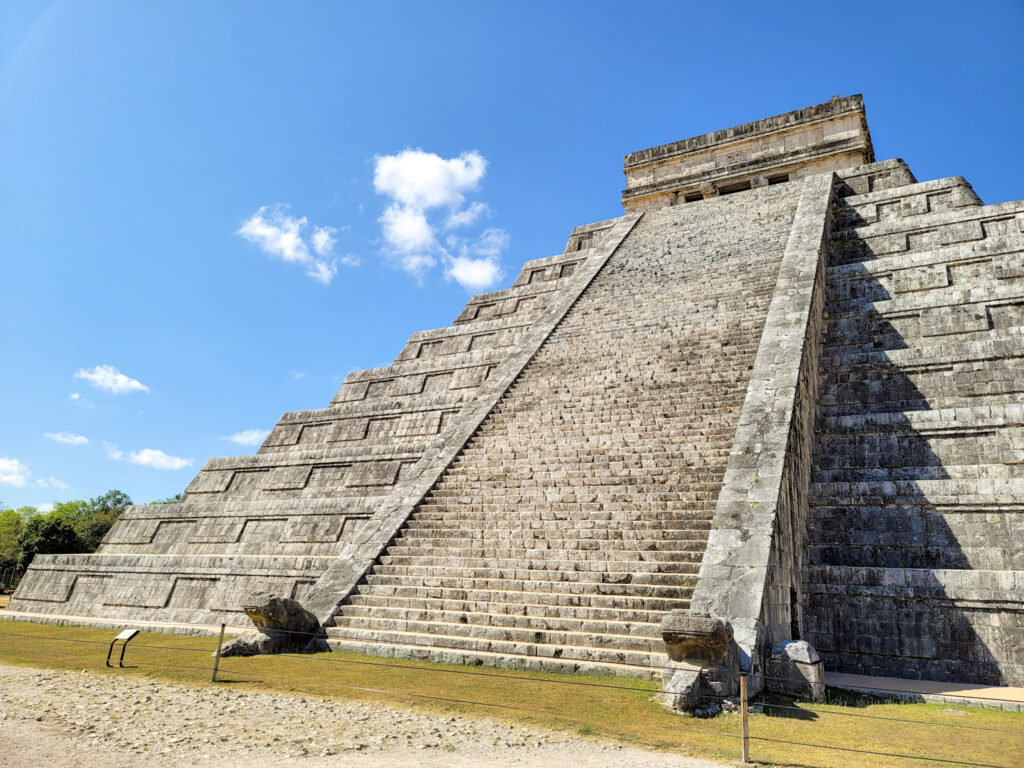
(83, 720)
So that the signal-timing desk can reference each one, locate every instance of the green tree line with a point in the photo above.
(70, 527)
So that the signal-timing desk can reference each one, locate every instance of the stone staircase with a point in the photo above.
(578, 513)
(915, 560)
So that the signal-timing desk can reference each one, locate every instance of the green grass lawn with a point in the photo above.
(597, 707)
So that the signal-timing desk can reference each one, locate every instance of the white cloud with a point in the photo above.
(278, 234)
(13, 472)
(297, 374)
(108, 378)
(50, 482)
(419, 182)
(248, 436)
(85, 402)
(417, 263)
(44, 508)
(477, 266)
(406, 229)
(67, 438)
(423, 180)
(351, 260)
(467, 216)
(473, 274)
(113, 452)
(491, 243)
(151, 457)
(323, 240)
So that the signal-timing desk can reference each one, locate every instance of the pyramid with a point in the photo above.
(784, 390)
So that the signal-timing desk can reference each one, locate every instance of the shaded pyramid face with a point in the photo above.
(783, 390)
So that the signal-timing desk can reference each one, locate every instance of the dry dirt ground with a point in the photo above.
(62, 719)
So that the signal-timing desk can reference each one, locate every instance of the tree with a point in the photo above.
(46, 535)
(97, 517)
(71, 526)
(11, 525)
(169, 500)
(112, 502)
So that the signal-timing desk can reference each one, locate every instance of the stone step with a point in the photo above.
(556, 557)
(351, 613)
(566, 497)
(429, 516)
(493, 538)
(641, 661)
(666, 574)
(511, 661)
(619, 613)
(550, 592)
(474, 632)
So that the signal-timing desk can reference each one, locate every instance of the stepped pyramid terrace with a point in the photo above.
(781, 397)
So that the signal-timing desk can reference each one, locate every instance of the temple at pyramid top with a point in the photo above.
(827, 137)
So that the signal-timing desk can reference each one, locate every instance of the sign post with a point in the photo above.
(126, 636)
(216, 659)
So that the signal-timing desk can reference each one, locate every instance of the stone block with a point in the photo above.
(794, 668)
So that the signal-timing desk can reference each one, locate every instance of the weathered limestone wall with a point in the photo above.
(750, 572)
(195, 590)
(915, 558)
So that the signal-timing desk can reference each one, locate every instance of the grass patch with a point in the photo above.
(599, 709)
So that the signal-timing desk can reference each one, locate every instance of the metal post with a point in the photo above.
(216, 659)
(743, 718)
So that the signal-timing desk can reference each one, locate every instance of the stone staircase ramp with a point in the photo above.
(577, 514)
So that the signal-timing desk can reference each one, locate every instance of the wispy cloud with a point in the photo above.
(77, 399)
(67, 438)
(113, 452)
(151, 457)
(469, 215)
(323, 240)
(421, 186)
(248, 436)
(13, 472)
(18, 475)
(147, 457)
(275, 232)
(109, 379)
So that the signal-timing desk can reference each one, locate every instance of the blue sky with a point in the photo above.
(211, 212)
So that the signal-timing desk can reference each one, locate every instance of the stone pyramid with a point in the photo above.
(784, 390)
